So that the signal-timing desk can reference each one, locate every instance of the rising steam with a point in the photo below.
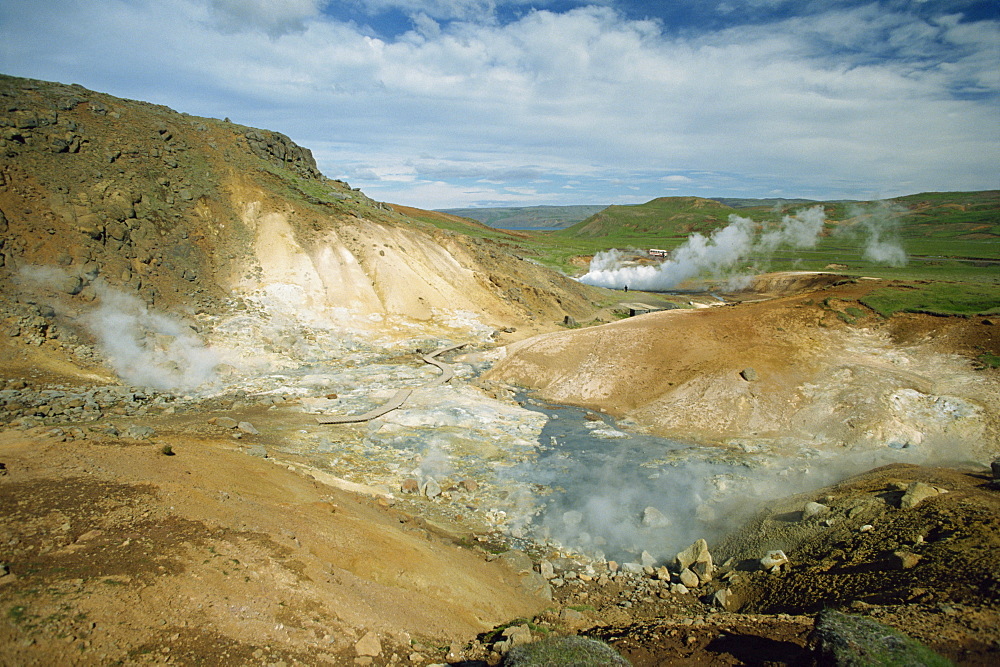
(145, 348)
(878, 225)
(717, 255)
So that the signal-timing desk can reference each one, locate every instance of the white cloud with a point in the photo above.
(845, 103)
(275, 17)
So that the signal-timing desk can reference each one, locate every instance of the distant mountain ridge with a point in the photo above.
(528, 217)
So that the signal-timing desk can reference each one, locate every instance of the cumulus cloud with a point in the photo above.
(274, 18)
(847, 102)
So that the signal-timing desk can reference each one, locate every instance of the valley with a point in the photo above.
(183, 300)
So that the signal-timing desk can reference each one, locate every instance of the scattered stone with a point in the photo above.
(368, 645)
(905, 560)
(469, 485)
(515, 635)
(410, 485)
(774, 561)
(689, 578)
(646, 559)
(224, 422)
(917, 492)
(722, 598)
(546, 570)
(812, 509)
(431, 488)
(248, 428)
(749, 374)
(703, 570)
(138, 432)
(697, 552)
(679, 589)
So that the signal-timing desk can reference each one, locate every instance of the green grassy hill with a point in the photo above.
(661, 218)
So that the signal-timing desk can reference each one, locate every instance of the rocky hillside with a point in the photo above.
(206, 218)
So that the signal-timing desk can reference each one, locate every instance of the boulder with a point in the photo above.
(774, 561)
(632, 568)
(515, 635)
(431, 488)
(722, 598)
(904, 560)
(689, 578)
(703, 570)
(247, 428)
(812, 509)
(138, 432)
(368, 645)
(916, 493)
(696, 553)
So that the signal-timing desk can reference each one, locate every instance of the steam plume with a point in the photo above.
(147, 348)
(716, 255)
(878, 224)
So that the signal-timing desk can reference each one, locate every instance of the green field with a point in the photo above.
(951, 241)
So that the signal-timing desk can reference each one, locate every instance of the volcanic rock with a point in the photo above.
(368, 645)
(696, 553)
(689, 578)
(774, 561)
(905, 560)
(917, 492)
(812, 509)
(247, 428)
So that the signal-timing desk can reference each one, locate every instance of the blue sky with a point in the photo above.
(454, 103)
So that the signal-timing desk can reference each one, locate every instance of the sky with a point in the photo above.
(468, 103)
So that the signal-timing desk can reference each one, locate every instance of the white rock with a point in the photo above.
(774, 560)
